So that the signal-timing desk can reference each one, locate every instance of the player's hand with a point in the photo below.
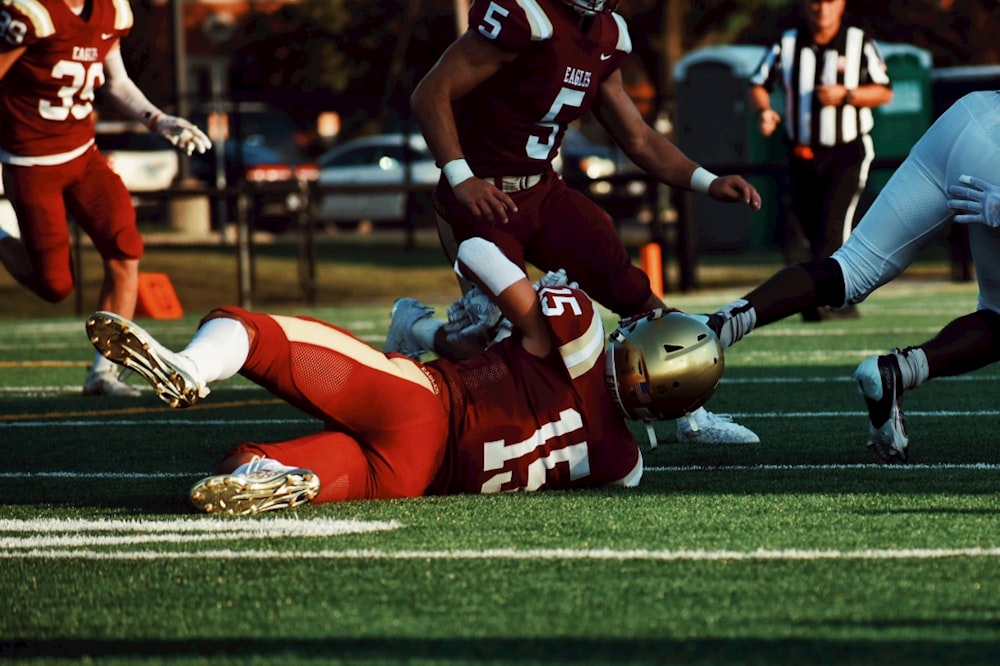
(473, 322)
(474, 313)
(768, 121)
(833, 94)
(182, 134)
(734, 189)
(555, 279)
(977, 201)
(485, 200)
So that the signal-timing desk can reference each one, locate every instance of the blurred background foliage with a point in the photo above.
(362, 58)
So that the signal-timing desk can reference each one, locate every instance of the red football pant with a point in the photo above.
(386, 421)
(99, 203)
(554, 227)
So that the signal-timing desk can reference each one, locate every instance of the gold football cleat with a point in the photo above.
(171, 375)
(255, 491)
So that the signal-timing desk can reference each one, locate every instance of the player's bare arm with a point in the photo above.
(767, 118)
(484, 263)
(869, 95)
(656, 154)
(519, 302)
(467, 63)
(645, 146)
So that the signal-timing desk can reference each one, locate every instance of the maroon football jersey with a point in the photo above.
(520, 422)
(513, 124)
(46, 99)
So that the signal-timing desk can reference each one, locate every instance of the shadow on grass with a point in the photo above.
(523, 650)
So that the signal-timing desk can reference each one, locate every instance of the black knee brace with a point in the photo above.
(829, 279)
(991, 319)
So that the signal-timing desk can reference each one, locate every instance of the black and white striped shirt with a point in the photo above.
(851, 59)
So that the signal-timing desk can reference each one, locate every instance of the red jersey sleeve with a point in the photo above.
(506, 24)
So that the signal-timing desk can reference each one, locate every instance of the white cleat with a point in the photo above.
(879, 383)
(703, 427)
(171, 375)
(400, 340)
(258, 486)
(108, 382)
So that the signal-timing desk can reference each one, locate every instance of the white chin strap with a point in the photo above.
(651, 434)
(586, 11)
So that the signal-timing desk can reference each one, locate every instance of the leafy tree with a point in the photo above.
(364, 57)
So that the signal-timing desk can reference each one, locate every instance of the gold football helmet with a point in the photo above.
(662, 365)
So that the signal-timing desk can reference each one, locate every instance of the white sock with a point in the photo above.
(424, 331)
(912, 366)
(219, 349)
(8, 225)
(102, 364)
(740, 318)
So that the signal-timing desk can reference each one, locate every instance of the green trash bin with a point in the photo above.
(714, 126)
(902, 121)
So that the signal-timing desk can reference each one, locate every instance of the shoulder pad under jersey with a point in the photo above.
(624, 38)
(123, 14)
(24, 23)
(510, 24)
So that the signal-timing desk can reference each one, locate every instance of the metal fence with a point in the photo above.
(677, 239)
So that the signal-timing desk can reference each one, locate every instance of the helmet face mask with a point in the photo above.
(662, 366)
(592, 7)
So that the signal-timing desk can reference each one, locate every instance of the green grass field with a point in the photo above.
(799, 550)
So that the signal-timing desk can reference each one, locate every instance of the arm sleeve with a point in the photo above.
(120, 88)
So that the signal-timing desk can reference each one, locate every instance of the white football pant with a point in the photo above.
(911, 210)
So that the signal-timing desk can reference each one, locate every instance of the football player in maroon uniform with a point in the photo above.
(494, 110)
(54, 54)
(543, 409)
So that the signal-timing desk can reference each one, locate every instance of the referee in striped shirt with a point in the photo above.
(832, 74)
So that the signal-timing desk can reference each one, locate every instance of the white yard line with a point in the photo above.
(76, 539)
(516, 554)
(49, 535)
(259, 527)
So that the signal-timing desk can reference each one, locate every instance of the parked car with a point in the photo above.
(386, 164)
(146, 162)
(604, 173)
(260, 147)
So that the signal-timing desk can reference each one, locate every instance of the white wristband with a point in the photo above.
(457, 171)
(701, 180)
